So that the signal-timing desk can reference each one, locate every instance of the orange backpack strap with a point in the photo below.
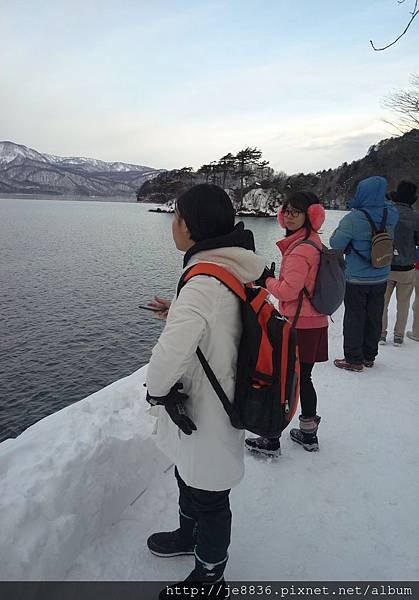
(217, 272)
(259, 300)
(235, 286)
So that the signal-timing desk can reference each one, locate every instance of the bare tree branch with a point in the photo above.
(414, 14)
(405, 103)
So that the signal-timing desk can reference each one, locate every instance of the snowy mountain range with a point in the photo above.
(25, 170)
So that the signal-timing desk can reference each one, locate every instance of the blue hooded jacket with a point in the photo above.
(355, 229)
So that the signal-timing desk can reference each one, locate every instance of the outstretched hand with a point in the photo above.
(161, 306)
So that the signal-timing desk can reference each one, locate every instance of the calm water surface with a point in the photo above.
(72, 274)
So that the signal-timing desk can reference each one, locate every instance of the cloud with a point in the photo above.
(169, 88)
(171, 140)
(339, 139)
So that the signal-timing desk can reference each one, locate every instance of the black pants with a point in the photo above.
(364, 306)
(211, 511)
(308, 396)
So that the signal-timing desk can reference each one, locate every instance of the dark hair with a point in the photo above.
(406, 192)
(207, 211)
(301, 201)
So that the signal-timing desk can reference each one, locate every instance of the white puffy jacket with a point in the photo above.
(207, 314)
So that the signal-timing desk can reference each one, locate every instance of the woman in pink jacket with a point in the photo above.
(301, 216)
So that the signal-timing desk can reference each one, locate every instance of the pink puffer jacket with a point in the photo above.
(298, 270)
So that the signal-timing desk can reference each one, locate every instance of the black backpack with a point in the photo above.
(268, 370)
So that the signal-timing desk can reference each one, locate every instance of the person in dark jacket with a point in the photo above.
(402, 274)
(414, 333)
(365, 284)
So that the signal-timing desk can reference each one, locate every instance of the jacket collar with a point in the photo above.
(240, 237)
(285, 243)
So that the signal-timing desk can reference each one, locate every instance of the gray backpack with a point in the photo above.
(329, 289)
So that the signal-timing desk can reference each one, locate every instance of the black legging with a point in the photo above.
(308, 396)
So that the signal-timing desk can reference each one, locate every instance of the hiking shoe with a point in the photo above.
(308, 442)
(383, 340)
(410, 335)
(169, 543)
(398, 340)
(341, 363)
(368, 363)
(265, 446)
(211, 578)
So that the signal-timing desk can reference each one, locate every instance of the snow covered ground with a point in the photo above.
(81, 490)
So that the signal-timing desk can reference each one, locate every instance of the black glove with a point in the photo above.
(174, 403)
(266, 273)
(179, 417)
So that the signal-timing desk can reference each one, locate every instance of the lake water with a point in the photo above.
(72, 274)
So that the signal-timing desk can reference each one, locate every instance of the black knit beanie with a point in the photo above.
(406, 193)
(207, 211)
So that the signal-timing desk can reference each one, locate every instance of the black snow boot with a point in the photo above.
(207, 578)
(174, 543)
(264, 446)
(306, 436)
(207, 573)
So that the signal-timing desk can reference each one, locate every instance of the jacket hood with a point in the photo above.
(241, 262)
(369, 193)
(234, 251)
(240, 237)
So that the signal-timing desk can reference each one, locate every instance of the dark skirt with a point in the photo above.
(313, 345)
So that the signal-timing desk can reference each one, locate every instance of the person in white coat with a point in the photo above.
(193, 428)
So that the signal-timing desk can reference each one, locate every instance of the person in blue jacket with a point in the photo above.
(365, 284)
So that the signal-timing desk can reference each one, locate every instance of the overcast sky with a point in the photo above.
(173, 83)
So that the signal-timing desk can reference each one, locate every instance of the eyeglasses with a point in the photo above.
(292, 212)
